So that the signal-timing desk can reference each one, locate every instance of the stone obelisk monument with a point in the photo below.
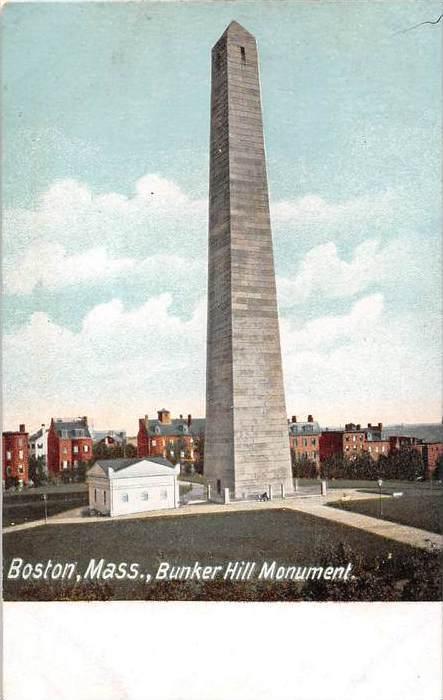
(246, 442)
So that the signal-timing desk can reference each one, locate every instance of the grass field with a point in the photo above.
(282, 535)
(424, 511)
(28, 506)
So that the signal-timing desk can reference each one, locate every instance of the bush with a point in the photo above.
(304, 468)
(402, 464)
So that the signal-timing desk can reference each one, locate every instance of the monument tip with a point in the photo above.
(237, 28)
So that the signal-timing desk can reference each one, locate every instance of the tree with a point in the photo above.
(438, 472)
(36, 471)
(199, 449)
(116, 451)
(303, 468)
(130, 451)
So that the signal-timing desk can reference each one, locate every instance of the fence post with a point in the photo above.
(282, 489)
(208, 492)
(226, 495)
(323, 488)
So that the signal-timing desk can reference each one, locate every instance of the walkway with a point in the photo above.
(312, 505)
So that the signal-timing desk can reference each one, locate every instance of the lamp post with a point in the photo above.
(45, 501)
(380, 484)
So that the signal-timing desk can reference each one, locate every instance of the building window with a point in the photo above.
(353, 438)
(95, 495)
(8, 454)
(8, 471)
(124, 497)
(20, 442)
(85, 448)
(75, 462)
(153, 443)
(243, 54)
(20, 469)
(163, 494)
(20, 454)
(104, 498)
(218, 486)
(145, 496)
(171, 453)
(313, 441)
(370, 448)
(75, 449)
(65, 464)
(65, 450)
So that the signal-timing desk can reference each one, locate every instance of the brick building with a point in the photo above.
(69, 443)
(375, 444)
(403, 442)
(173, 439)
(348, 443)
(354, 441)
(431, 453)
(16, 455)
(304, 440)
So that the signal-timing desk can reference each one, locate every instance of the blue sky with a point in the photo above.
(105, 283)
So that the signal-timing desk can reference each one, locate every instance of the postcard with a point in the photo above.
(221, 330)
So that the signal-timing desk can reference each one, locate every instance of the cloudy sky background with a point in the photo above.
(106, 133)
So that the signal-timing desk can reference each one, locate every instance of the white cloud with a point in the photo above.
(362, 365)
(116, 367)
(49, 266)
(157, 217)
(312, 210)
(325, 331)
(323, 273)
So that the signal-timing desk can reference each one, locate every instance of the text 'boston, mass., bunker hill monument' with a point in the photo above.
(246, 441)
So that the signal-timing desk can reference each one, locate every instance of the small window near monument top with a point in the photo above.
(243, 54)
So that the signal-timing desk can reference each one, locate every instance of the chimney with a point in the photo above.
(380, 426)
(369, 425)
(189, 420)
(22, 428)
(310, 419)
(358, 426)
(146, 419)
(294, 419)
(85, 420)
(181, 416)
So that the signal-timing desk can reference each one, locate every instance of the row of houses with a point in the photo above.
(68, 443)
(311, 442)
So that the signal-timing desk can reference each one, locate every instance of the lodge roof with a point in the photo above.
(119, 465)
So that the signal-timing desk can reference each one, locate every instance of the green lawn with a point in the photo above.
(282, 535)
(423, 510)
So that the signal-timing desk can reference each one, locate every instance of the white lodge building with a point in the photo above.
(124, 486)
